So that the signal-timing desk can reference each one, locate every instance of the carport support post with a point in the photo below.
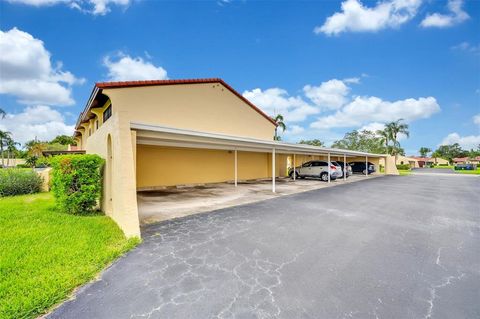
(236, 168)
(273, 170)
(294, 168)
(345, 170)
(328, 165)
(366, 165)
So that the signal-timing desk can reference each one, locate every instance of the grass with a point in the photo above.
(45, 254)
(473, 172)
(404, 172)
(443, 167)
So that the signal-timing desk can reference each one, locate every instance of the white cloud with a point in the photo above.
(466, 142)
(329, 95)
(294, 130)
(96, 7)
(372, 127)
(126, 68)
(39, 121)
(368, 112)
(355, 17)
(277, 101)
(28, 74)
(476, 119)
(455, 16)
(363, 110)
(467, 47)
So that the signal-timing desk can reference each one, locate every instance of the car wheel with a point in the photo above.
(324, 177)
(363, 172)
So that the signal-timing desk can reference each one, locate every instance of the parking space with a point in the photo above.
(174, 202)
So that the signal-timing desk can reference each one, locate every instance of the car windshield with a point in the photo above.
(335, 164)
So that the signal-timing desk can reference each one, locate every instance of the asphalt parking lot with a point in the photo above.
(393, 247)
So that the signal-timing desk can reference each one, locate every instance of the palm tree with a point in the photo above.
(4, 137)
(395, 128)
(385, 136)
(11, 148)
(278, 119)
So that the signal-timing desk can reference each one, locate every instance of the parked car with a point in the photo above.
(348, 170)
(317, 169)
(359, 167)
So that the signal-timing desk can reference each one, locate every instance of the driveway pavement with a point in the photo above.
(393, 247)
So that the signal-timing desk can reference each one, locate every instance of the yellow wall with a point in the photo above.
(168, 166)
(208, 107)
(121, 205)
(161, 166)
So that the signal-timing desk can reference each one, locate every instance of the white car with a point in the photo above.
(317, 169)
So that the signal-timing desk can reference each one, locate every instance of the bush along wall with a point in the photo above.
(403, 166)
(18, 181)
(77, 182)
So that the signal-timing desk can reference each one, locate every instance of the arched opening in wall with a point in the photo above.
(108, 177)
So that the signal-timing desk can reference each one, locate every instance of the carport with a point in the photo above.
(170, 157)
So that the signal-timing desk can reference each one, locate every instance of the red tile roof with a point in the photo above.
(127, 84)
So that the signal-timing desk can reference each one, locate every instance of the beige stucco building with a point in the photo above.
(181, 132)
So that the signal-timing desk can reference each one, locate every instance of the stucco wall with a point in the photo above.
(208, 107)
(168, 166)
(119, 200)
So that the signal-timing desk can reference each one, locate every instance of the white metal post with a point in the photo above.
(294, 168)
(345, 170)
(273, 170)
(328, 167)
(366, 165)
(236, 168)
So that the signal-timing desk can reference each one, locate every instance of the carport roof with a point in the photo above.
(149, 134)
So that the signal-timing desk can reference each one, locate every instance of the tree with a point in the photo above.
(63, 139)
(278, 119)
(35, 148)
(11, 149)
(424, 151)
(474, 153)
(385, 136)
(314, 142)
(2, 113)
(394, 129)
(449, 152)
(364, 141)
(4, 136)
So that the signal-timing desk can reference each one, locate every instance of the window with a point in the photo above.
(107, 113)
(316, 164)
(307, 164)
(96, 124)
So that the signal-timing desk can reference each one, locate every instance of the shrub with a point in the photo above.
(77, 182)
(42, 162)
(18, 181)
(22, 166)
(443, 164)
(403, 166)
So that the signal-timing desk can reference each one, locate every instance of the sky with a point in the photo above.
(328, 67)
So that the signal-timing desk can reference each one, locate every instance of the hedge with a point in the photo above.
(403, 166)
(77, 182)
(18, 181)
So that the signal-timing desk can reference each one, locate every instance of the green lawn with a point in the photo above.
(404, 172)
(443, 167)
(45, 254)
(476, 172)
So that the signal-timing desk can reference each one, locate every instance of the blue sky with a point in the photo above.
(329, 67)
